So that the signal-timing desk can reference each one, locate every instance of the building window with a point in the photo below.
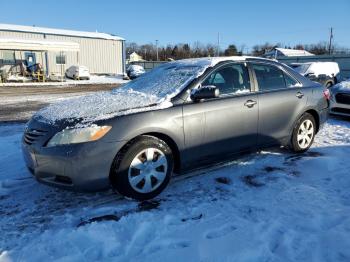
(8, 57)
(61, 59)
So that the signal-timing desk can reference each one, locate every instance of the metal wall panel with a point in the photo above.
(101, 56)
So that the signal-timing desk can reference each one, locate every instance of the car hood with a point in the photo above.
(343, 87)
(99, 106)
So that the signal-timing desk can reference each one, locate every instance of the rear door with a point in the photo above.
(218, 127)
(281, 100)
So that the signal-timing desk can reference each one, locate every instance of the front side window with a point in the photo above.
(231, 79)
(269, 77)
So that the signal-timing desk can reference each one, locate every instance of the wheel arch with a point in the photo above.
(167, 139)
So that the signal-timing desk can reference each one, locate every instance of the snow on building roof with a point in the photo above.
(53, 31)
(293, 52)
(37, 45)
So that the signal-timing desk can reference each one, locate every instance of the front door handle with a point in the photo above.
(250, 103)
(299, 95)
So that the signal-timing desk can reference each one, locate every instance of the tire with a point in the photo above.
(142, 169)
(304, 133)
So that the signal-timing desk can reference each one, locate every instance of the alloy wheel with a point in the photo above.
(305, 134)
(148, 170)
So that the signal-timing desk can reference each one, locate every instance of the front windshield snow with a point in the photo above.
(167, 80)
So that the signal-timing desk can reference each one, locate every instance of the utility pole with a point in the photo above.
(218, 46)
(157, 50)
(330, 41)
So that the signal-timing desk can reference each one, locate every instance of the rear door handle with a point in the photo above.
(250, 103)
(299, 95)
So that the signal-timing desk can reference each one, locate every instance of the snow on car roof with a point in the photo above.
(53, 31)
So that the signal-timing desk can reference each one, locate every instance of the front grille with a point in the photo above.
(341, 110)
(32, 135)
(343, 98)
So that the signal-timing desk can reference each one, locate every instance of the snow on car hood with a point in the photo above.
(99, 106)
(342, 86)
(151, 91)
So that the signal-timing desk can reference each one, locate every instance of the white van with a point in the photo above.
(78, 72)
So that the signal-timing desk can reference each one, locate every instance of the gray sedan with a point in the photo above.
(180, 116)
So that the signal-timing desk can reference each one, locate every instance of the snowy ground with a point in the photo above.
(94, 79)
(269, 206)
(20, 102)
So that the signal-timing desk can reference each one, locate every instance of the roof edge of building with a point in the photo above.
(55, 31)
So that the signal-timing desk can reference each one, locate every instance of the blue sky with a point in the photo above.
(246, 22)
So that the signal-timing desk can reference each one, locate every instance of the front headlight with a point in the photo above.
(78, 135)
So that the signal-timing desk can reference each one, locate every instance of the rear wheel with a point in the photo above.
(143, 168)
(303, 133)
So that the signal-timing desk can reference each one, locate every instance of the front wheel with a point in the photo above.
(303, 133)
(143, 168)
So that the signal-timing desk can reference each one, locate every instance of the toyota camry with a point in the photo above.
(181, 115)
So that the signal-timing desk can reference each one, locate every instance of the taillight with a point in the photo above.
(327, 94)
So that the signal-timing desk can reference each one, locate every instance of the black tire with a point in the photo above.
(120, 168)
(294, 144)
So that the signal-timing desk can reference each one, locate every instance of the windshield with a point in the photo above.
(166, 80)
(301, 69)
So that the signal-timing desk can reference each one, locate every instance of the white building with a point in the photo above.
(57, 49)
(135, 57)
(285, 52)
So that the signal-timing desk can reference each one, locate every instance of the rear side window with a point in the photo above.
(231, 79)
(290, 82)
(269, 77)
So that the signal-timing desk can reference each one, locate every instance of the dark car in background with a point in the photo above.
(340, 99)
(179, 116)
(134, 71)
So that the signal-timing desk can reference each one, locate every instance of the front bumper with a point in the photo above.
(80, 167)
(339, 109)
(324, 115)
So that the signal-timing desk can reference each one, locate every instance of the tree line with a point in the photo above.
(197, 49)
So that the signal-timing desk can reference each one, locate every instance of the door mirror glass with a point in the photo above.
(205, 92)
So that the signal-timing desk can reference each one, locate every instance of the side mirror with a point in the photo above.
(205, 92)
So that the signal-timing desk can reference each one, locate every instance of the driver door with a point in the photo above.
(219, 127)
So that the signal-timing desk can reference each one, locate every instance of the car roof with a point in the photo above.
(212, 61)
